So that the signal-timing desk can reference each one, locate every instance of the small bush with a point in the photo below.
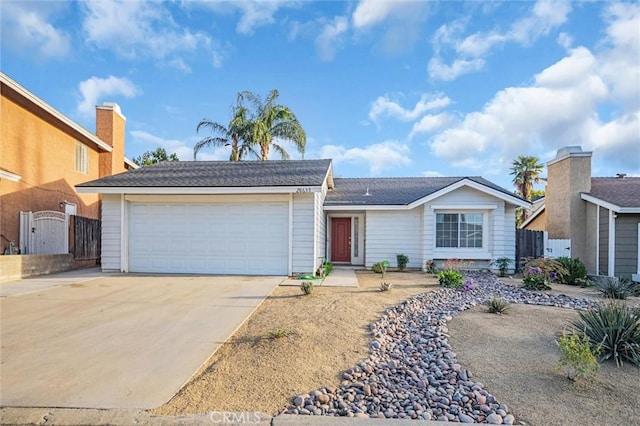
(468, 285)
(578, 358)
(535, 279)
(502, 263)
(497, 305)
(385, 286)
(575, 270)
(450, 278)
(430, 267)
(328, 267)
(402, 260)
(380, 267)
(307, 287)
(616, 288)
(278, 333)
(550, 268)
(615, 329)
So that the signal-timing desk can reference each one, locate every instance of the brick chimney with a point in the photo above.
(568, 175)
(110, 128)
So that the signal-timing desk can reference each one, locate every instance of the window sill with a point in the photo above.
(461, 253)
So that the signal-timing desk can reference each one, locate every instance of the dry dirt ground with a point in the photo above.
(513, 355)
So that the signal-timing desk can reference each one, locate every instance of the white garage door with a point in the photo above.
(242, 238)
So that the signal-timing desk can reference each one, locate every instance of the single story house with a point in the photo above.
(286, 217)
(600, 215)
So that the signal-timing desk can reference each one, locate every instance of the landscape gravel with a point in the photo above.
(412, 373)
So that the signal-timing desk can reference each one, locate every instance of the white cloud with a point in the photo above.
(253, 13)
(565, 40)
(378, 157)
(329, 39)
(384, 106)
(26, 27)
(438, 70)
(432, 173)
(371, 12)
(135, 29)
(559, 108)
(96, 88)
(430, 123)
(544, 16)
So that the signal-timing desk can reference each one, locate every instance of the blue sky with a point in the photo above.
(384, 88)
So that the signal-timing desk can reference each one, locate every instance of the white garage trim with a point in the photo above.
(180, 190)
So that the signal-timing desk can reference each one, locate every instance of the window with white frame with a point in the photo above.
(460, 230)
(82, 158)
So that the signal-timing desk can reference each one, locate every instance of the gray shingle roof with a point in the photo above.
(393, 191)
(623, 192)
(220, 174)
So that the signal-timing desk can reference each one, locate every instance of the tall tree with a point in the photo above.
(235, 134)
(152, 157)
(272, 124)
(526, 171)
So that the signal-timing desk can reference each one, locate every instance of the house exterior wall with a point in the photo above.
(626, 246)
(591, 248)
(111, 232)
(539, 223)
(303, 233)
(320, 225)
(392, 232)
(603, 246)
(42, 151)
(567, 177)
(498, 229)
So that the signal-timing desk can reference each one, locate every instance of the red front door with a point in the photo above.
(341, 239)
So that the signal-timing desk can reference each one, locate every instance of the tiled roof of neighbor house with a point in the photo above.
(393, 191)
(220, 174)
(623, 192)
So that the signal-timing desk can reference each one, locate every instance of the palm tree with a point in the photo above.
(526, 171)
(236, 134)
(272, 124)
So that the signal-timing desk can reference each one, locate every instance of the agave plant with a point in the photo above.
(497, 305)
(615, 329)
(616, 288)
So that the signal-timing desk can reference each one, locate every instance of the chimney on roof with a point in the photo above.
(110, 128)
(621, 175)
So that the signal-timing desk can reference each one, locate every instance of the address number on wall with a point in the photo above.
(303, 190)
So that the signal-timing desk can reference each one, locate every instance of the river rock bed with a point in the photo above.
(412, 373)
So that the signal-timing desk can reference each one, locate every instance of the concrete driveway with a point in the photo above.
(124, 341)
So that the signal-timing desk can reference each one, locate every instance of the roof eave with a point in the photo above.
(197, 190)
(608, 205)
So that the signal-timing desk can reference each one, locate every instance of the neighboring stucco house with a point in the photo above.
(600, 215)
(44, 154)
(285, 217)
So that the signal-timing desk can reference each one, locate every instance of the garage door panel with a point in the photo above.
(248, 238)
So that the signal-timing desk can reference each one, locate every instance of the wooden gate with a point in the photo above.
(43, 232)
(86, 238)
(529, 244)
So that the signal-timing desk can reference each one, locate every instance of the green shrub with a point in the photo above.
(497, 305)
(278, 333)
(615, 287)
(615, 329)
(450, 278)
(307, 287)
(402, 261)
(328, 267)
(380, 267)
(502, 263)
(385, 286)
(575, 270)
(535, 279)
(578, 358)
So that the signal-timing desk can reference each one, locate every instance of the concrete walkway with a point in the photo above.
(43, 282)
(340, 276)
(128, 341)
